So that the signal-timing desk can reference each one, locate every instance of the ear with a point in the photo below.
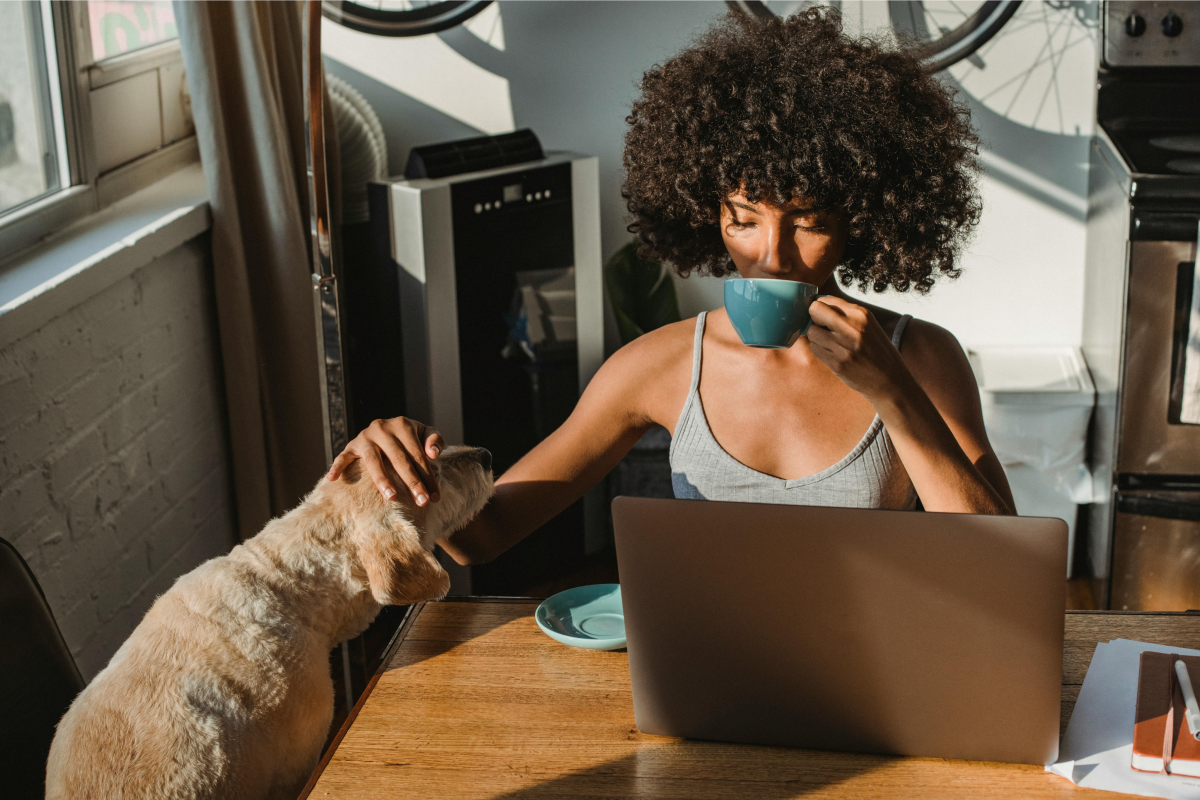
(399, 570)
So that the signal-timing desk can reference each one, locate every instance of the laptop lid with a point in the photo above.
(896, 632)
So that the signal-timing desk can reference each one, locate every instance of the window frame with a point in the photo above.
(84, 189)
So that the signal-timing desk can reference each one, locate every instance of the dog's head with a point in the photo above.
(465, 482)
(395, 539)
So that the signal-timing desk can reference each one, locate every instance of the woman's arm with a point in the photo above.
(556, 473)
(927, 399)
(641, 385)
(631, 392)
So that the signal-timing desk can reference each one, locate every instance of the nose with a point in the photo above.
(777, 256)
(485, 458)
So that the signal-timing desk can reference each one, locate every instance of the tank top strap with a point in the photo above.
(898, 334)
(697, 352)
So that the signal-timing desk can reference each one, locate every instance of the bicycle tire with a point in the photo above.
(394, 22)
(937, 54)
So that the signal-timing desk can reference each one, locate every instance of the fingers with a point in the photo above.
(412, 479)
(830, 328)
(819, 337)
(415, 475)
(340, 463)
(434, 443)
(394, 449)
(401, 440)
(831, 312)
(378, 473)
(847, 321)
(836, 302)
(837, 331)
(825, 346)
(848, 340)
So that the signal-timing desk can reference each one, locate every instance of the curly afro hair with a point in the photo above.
(788, 108)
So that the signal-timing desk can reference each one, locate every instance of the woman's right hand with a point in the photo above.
(407, 446)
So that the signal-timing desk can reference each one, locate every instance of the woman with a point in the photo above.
(774, 150)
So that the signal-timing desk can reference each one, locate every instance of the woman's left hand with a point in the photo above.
(849, 340)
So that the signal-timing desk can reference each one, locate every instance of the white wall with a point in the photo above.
(1032, 102)
(1022, 280)
(113, 455)
(568, 70)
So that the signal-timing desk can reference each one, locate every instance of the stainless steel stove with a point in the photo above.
(1143, 217)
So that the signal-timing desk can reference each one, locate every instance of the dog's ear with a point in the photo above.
(399, 569)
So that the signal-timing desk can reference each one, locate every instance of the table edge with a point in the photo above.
(490, 598)
(410, 616)
(1117, 613)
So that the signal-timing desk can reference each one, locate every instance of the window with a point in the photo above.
(94, 105)
(29, 135)
(124, 27)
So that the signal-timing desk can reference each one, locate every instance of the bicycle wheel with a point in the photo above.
(401, 17)
(939, 33)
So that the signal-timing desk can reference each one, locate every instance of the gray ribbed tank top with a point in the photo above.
(870, 476)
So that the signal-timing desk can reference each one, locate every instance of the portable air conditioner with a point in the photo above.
(492, 291)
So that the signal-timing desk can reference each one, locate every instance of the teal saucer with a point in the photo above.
(586, 616)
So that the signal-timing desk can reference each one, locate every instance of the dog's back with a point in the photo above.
(223, 690)
(198, 701)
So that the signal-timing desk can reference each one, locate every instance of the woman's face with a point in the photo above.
(793, 242)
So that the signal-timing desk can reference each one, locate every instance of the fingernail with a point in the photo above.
(389, 493)
(422, 499)
(437, 451)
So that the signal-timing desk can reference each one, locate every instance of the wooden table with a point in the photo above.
(473, 701)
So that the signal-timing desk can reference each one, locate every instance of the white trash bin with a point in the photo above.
(1037, 403)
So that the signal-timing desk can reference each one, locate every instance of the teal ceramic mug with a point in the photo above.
(769, 313)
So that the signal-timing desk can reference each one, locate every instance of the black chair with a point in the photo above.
(38, 678)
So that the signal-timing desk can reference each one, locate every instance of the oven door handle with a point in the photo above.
(1160, 507)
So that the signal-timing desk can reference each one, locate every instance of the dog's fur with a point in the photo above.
(223, 690)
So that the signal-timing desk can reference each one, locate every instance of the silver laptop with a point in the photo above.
(898, 632)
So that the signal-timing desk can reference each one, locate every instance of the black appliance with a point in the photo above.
(431, 319)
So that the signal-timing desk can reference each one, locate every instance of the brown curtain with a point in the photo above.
(244, 64)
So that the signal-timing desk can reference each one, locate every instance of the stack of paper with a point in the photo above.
(1097, 748)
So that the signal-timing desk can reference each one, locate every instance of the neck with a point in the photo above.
(306, 557)
(798, 355)
(831, 286)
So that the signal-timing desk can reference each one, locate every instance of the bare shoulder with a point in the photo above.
(939, 363)
(930, 351)
(651, 374)
(660, 348)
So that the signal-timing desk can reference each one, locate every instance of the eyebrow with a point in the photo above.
(808, 210)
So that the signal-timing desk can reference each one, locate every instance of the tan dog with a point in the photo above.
(223, 690)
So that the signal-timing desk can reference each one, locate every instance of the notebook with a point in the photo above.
(1159, 698)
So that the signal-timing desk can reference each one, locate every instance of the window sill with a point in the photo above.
(100, 250)
(118, 67)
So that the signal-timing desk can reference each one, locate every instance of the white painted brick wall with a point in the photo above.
(114, 476)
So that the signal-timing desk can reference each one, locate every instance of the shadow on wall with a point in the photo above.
(407, 123)
(1031, 92)
(571, 69)
(1049, 168)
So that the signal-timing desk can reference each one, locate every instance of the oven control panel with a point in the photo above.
(1147, 33)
